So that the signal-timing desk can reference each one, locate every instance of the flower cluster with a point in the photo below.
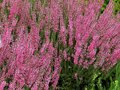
(36, 35)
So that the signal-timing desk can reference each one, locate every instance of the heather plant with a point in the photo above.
(51, 44)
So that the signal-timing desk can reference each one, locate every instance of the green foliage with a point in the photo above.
(115, 85)
(26, 88)
(1, 1)
(88, 79)
(104, 6)
(116, 6)
(6, 11)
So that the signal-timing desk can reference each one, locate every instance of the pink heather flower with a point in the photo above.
(65, 54)
(35, 87)
(63, 30)
(2, 85)
(12, 86)
(70, 32)
(92, 39)
(14, 8)
(14, 22)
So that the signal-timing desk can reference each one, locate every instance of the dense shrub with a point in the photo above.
(38, 36)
